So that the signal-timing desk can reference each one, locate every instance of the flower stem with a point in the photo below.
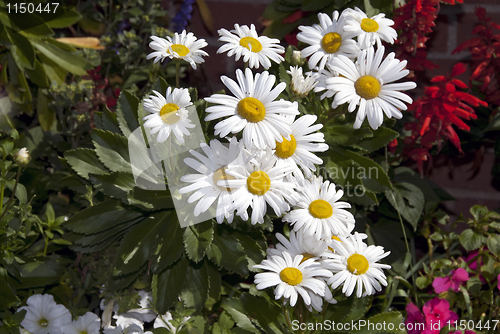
(177, 73)
(287, 316)
(7, 206)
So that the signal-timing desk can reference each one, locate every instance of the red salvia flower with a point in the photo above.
(485, 50)
(442, 107)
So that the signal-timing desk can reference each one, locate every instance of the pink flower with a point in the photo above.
(498, 282)
(466, 332)
(437, 315)
(414, 317)
(456, 278)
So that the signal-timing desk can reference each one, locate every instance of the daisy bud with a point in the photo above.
(297, 59)
(22, 157)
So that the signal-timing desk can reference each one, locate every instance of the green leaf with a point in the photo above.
(151, 199)
(116, 184)
(22, 50)
(21, 193)
(38, 76)
(107, 121)
(197, 238)
(215, 283)
(471, 240)
(67, 60)
(346, 135)
(124, 281)
(195, 291)
(234, 307)
(494, 244)
(8, 297)
(368, 165)
(479, 212)
(67, 19)
(126, 112)
(40, 274)
(139, 243)
(269, 316)
(227, 252)
(167, 285)
(381, 137)
(170, 244)
(101, 217)
(349, 309)
(84, 161)
(46, 116)
(112, 150)
(423, 282)
(408, 200)
(255, 254)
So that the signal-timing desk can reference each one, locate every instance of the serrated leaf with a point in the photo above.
(408, 200)
(381, 137)
(100, 217)
(108, 235)
(195, 291)
(470, 239)
(170, 241)
(197, 238)
(215, 283)
(107, 121)
(234, 307)
(153, 199)
(84, 161)
(168, 284)
(124, 281)
(139, 244)
(126, 112)
(255, 254)
(116, 184)
(112, 150)
(226, 251)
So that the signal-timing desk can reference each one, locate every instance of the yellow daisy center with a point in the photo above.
(180, 49)
(251, 44)
(258, 183)
(290, 275)
(369, 25)
(43, 322)
(220, 174)
(83, 332)
(306, 256)
(168, 113)
(320, 209)
(251, 109)
(286, 148)
(357, 264)
(331, 42)
(367, 87)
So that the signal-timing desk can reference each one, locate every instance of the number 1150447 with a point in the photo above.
(23, 7)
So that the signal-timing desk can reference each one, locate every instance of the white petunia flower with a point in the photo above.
(89, 323)
(44, 316)
(252, 110)
(292, 277)
(244, 42)
(319, 212)
(355, 264)
(183, 46)
(126, 329)
(367, 84)
(211, 168)
(327, 40)
(259, 182)
(369, 30)
(300, 85)
(168, 114)
(299, 150)
(145, 312)
(163, 321)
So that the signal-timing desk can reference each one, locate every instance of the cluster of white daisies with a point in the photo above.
(274, 161)
(45, 316)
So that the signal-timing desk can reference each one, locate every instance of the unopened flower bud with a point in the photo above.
(22, 157)
(297, 59)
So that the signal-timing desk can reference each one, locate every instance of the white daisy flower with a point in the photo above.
(259, 182)
(369, 30)
(89, 323)
(319, 212)
(292, 277)
(44, 316)
(168, 114)
(183, 46)
(253, 110)
(355, 264)
(300, 85)
(368, 84)
(324, 75)
(327, 40)
(298, 150)
(211, 168)
(244, 42)
(298, 244)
